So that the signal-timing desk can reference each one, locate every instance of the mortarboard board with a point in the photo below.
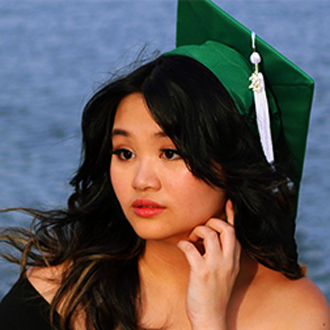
(211, 36)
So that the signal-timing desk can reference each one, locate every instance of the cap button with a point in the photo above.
(255, 58)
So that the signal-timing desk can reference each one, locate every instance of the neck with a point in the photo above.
(164, 262)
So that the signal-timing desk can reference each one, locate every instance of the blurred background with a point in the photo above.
(54, 54)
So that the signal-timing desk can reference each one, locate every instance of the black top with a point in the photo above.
(23, 308)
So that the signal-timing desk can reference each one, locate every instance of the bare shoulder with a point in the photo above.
(308, 303)
(46, 280)
(300, 304)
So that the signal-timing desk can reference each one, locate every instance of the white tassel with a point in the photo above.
(261, 104)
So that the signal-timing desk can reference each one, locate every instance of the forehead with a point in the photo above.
(133, 118)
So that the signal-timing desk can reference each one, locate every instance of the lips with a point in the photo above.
(147, 208)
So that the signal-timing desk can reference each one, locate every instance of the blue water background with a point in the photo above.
(53, 54)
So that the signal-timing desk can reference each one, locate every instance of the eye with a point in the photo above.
(123, 154)
(170, 154)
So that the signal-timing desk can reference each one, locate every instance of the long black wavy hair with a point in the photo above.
(93, 235)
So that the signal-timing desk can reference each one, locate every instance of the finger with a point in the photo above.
(230, 214)
(228, 240)
(194, 258)
(229, 245)
(200, 232)
(231, 220)
(221, 226)
(210, 238)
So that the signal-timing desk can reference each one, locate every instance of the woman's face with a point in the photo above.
(160, 197)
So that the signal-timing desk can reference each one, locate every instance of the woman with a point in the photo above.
(177, 220)
(149, 231)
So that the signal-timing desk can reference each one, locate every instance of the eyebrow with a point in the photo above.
(122, 132)
(118, 131)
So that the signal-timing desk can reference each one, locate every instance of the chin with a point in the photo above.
(162, 237)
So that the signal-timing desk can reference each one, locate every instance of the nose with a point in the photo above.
(146, 177)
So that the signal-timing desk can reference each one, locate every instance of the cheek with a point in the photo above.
(118, 183)
(195, 195)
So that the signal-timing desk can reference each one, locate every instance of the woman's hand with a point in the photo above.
(212, 273)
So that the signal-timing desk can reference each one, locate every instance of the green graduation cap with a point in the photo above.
(209, 35)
